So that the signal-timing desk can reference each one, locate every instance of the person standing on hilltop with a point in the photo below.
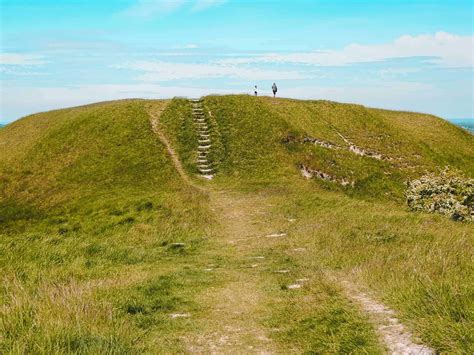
(255, 90)
(274, 89)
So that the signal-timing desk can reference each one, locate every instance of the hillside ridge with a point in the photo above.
(116, 243)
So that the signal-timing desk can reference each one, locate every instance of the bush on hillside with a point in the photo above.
(448, 193)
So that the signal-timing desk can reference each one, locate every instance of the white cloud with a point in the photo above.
(444, 49)
(18, 101)
(150, 8)
(21, 59)
(162, 71)
(19, 71)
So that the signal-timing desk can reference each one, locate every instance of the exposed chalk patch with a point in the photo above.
(276, 235)
(396, 337)
(310, 173)
(320, 142)
(179, 315)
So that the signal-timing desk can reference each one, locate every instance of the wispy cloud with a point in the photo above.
(165, 71)
(191, 46)
(443, 49)
(21, 59)
(18, 101)
(15, 71)
(151, 8)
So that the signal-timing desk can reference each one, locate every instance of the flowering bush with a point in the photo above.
(448, 193)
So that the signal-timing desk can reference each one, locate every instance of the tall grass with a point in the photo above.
(91, 208)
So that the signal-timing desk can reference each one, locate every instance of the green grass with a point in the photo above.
(420, 265)
(91, 204)
(253, 129)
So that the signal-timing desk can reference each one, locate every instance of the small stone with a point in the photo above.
(179, 315)
(276, 235)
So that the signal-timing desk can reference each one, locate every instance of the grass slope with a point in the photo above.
(419, 264)
(90, 206)
(90, 203)
(253, 129)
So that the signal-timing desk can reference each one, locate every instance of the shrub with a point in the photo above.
(448, 193)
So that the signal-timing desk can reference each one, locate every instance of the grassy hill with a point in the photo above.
(109, 250)
(261, 140)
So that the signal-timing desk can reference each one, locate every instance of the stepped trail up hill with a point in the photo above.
(230, 224)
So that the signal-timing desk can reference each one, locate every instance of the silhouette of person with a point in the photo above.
(255, 90)
(274, 89)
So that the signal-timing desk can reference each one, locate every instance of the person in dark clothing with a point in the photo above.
(274, 89)
(255, 90)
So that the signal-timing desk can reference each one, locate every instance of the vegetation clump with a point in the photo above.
(448, 193)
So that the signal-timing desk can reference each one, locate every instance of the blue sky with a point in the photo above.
(413, 55)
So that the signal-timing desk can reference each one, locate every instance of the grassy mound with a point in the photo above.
(105, 241)
(264, 139)
(90, 205)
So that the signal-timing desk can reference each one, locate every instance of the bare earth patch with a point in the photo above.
(394, 334)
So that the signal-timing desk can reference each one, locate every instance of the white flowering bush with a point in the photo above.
(448, 193)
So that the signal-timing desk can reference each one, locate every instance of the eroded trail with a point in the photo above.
(237, 309)
(396, 337)
(244, 265)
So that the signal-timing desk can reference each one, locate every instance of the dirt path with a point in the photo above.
(155, 125)
(234, 323)
(391, 331)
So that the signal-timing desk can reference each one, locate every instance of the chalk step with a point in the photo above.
(206, 171)
(203, 161)
(201, 141)
(204, 147)
(208, 177)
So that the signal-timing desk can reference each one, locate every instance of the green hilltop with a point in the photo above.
(108, 249)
